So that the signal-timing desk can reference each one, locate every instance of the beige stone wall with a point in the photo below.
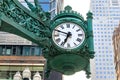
(116, 44)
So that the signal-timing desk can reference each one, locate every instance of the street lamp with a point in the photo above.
(37, 76)
(17, 76)
(26, 74)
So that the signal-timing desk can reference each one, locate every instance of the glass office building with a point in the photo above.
(106, 16)
(45, 4)
(55, 7)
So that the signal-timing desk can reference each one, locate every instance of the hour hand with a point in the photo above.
(61, 31)
(65, 40)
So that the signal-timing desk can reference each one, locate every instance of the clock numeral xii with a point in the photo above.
(68, 25)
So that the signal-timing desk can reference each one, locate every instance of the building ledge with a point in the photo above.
(22, 59)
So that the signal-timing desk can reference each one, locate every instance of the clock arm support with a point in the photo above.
(30, 6)
(16, 19)
(37, 9)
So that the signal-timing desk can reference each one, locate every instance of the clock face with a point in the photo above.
(68, 35)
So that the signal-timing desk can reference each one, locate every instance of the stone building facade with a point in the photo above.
(116, 43)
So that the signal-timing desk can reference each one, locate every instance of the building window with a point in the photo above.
(20, 50)
(114, 2)
(105, 77)
(8, 50)
(26, 50)
(52, 5)
(32, 50)
(3, 51)
(101, 77)
(97, 76)
(0, 50)
(37, 51)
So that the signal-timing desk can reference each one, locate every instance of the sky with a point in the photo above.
(81, 6)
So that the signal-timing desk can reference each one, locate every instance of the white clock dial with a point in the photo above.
(68, 35)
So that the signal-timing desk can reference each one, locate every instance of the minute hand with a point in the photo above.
(61, 31)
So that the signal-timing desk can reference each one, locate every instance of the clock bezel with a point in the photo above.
(75, 21)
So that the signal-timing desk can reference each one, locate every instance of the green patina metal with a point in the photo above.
(36, 26)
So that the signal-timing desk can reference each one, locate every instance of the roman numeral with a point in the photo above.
(62, 44)
(80, 34)
(75, 44)
(56, 35)
(73, 27)
(78, 30)
(78, 39)
(58, 40)
(62, 27)
(68, 25)
(68, 45)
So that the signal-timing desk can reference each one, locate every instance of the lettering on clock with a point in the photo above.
(78, 30)
(78, 39)
(58, 40)
(68, 25)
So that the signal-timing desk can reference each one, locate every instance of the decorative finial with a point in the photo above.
(68, 12)
(68, 8)
(89, 14)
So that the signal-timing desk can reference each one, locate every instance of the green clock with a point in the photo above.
(68, 35)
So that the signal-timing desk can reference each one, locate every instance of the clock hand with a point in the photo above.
(68, 35)
(65, 40)
(61, 31)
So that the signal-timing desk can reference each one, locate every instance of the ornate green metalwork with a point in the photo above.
(19, 20)
(70, 61)
(35, 25)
